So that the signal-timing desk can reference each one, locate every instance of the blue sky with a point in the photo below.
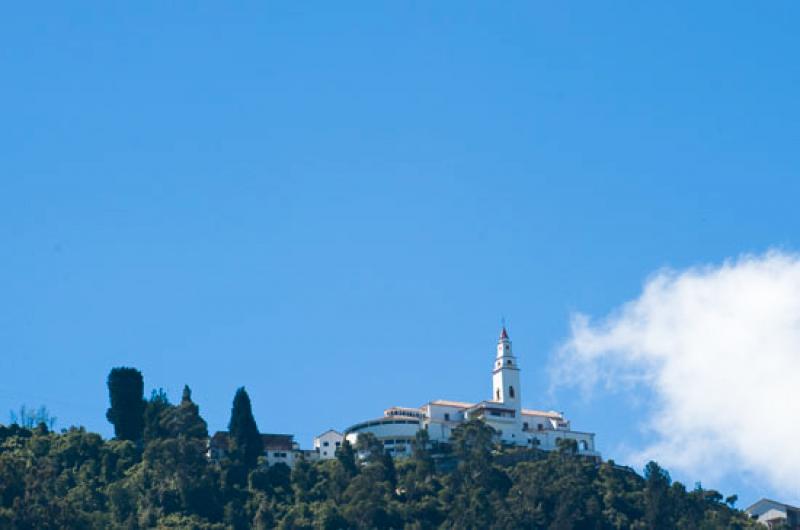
(334, 205)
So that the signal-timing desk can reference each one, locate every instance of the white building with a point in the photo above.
(281, 449)
(773, 514)
(503, 412)
(278, 448)
(327, 443)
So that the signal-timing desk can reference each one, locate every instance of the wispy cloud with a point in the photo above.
(719, 349)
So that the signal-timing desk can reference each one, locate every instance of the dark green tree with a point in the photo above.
(658, 509)
(153, 410)
(246, 441)
(126, 395)
(369, 448)
(477, 488)
(185, 420)
(304, 477)
(347, 458)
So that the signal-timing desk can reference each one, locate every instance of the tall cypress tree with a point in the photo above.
(126, 394)
(244, 435)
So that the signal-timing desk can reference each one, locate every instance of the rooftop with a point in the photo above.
(525, 412)
(448, 403)
(759, 502)
(547, 414)
(281, 442)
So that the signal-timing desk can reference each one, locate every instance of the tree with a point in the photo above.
(245, 439)
(473, 440)
(369, 448)
(184, 420)
(30, 418)
(126, 394)
(477, 487)
(153, 411)
(658, 510)
(304, 478)
(347, 458)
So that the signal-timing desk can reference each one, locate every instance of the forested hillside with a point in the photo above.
(155, 474)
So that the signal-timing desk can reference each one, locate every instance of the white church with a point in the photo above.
(515, 426)
(398, 427)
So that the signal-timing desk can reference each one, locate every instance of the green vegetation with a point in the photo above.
(162, 479)
(125, 391)
(245, 437)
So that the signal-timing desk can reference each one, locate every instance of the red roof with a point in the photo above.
(273, 442)
(277, 442)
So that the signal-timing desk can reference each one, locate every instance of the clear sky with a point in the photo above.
(334, 204)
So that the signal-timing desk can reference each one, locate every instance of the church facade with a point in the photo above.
(514, 425)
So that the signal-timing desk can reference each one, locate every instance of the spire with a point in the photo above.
(504, 333)
(503, 343)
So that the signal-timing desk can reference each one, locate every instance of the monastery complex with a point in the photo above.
(398, 427)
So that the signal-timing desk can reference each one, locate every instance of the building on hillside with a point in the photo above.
(278, 448)
(327, 443)
(515, 426)
(775, 514)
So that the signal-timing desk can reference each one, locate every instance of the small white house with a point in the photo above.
(278, 448)
(327, 443)
(773, 514)
(281, 449)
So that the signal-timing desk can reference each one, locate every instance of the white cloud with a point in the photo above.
(719, 349)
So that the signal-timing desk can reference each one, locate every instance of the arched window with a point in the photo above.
(497, 393)
(509, 362)
(511, 392)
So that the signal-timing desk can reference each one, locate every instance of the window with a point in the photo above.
(525, 426)
(446, 416)
(338, 444)
(511, 392)
(324, 453)
(325, 444)
(508, 362)
(540, 427)
(497, 393)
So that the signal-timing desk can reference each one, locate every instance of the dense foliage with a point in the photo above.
(76, 479)
(245, 437)
(126, 393)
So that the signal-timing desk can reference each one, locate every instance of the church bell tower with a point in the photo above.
(505, 376)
